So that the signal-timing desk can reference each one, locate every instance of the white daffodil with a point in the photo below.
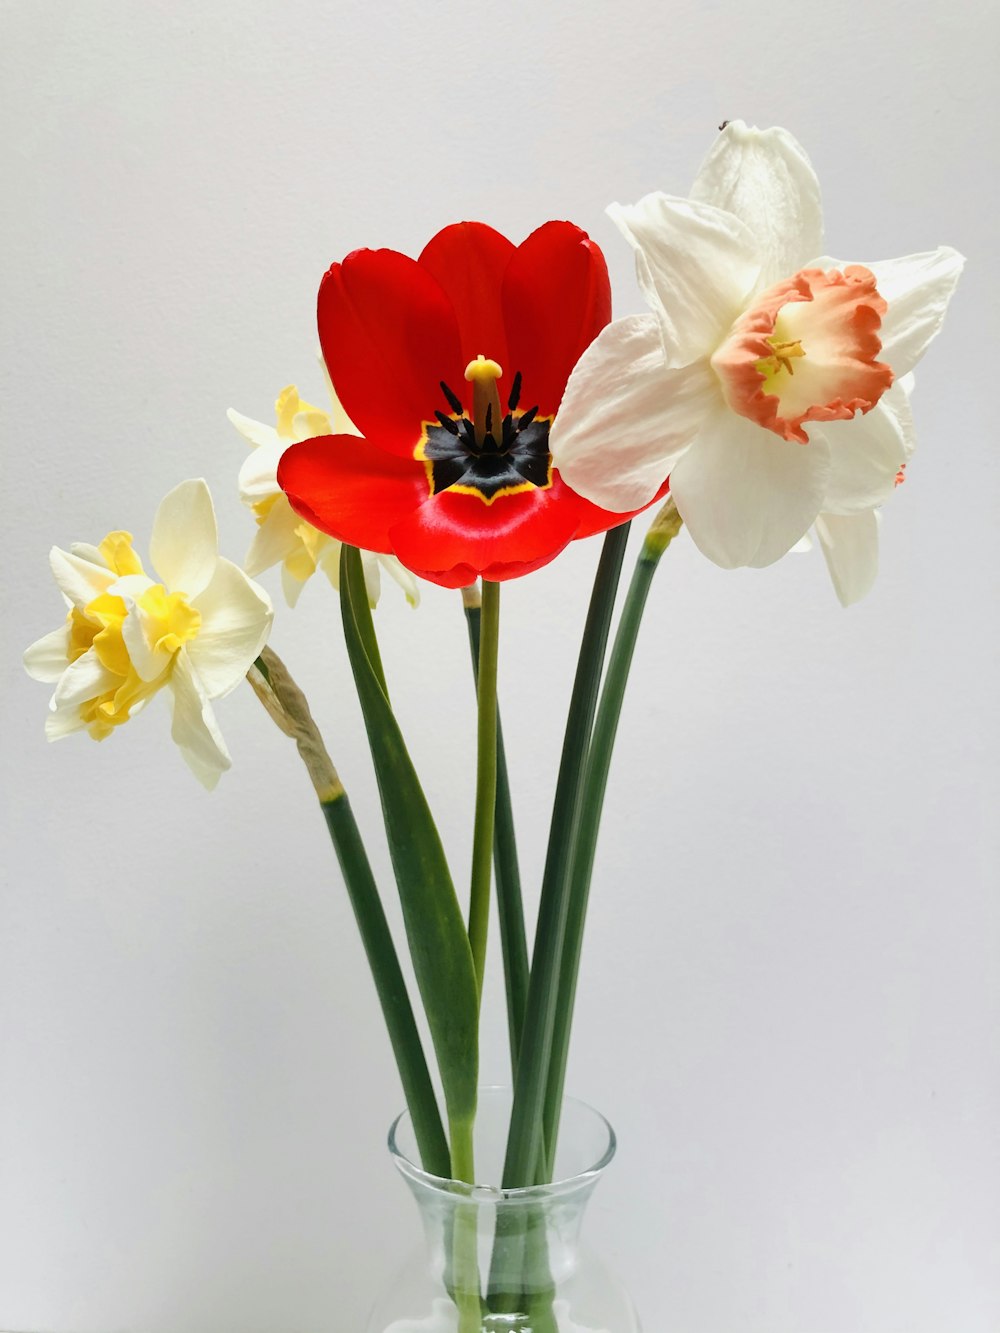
(766, 382)
(281, 534)
(127, 636)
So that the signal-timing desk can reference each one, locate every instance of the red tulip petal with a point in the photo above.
(454, 537)
(556, 300)
(350, 488)
(469, 260)
(389, 336)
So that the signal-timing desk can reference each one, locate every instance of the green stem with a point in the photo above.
(486, 781)
(513, 942)
(664, 528)
(390, 985)
(289, 709)
(525, 1158)
(465, 1289)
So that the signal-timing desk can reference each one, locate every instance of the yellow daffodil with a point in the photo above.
(126, 636)
(282, 536)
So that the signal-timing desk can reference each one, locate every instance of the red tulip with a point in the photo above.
(452, 367)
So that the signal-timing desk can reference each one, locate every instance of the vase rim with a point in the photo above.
(494, 1193)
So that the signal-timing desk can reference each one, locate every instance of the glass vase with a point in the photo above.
(506, 1261)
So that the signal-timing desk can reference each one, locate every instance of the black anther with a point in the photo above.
(453, 399)
(449, 423)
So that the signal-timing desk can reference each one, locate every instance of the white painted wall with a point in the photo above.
(789, 1004)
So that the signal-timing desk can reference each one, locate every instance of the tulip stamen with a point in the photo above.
(454, 402)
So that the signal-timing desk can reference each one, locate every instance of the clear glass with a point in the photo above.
(506, 1261)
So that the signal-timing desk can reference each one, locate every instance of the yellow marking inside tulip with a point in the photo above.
(483, 374)
(785, 352)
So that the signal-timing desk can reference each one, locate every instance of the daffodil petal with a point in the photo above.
(83, 679)
(745, 494)
(866, 453)
(697, 266)
(917, 290)
(254, 432)
(195, 729)
(48, 657)
(79, 578)
(398, 572)
(306, 425)
(63, 720)
(765, 178)
(850, 546)
(341, 422)
(149, 664)
(276, 538)
(139, 641)
(184, 545)
(625, 419)
(329, 561)
(291, 586)
(236, 618)
(258, 477)
(87, 551)
(373, 580)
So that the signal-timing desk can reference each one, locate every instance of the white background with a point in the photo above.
(789, 1004)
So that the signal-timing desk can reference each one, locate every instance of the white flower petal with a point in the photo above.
(87, 551)
(765, 178)
(276, 538)
(850, 546)
(194, 726)
(309, 423)
(745, 494)
(342, 423)
(185, 542)
(48, 657)
(79, 578)
(373, 579)
(406, 580)
(917, 289)
(63, 720)
(290, 586)
(236, 617)
(625, 418)
(139, 632)
(254, 432)
(258, 478)
(83, 679)
(329, 562)
(697, 266)
(866, 453)
(130, 587)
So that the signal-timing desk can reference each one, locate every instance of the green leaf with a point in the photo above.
(435, 926)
